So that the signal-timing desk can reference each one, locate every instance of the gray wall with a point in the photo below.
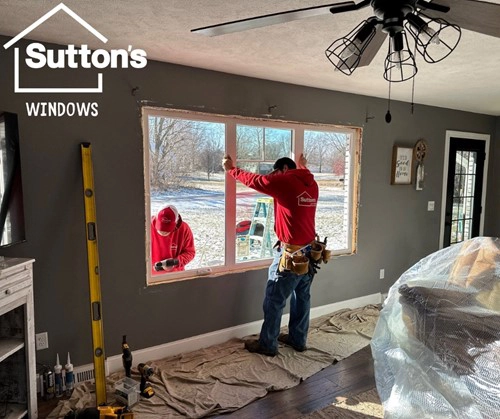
(395, 229)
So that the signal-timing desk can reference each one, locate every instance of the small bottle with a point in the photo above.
(48, 381)
(58, 381)
(70, 378)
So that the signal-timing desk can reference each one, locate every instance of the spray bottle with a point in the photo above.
(58, 378)
(70, 378)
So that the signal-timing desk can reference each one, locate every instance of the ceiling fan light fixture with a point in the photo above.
(400, 62)
(435, 39)
(345, 53)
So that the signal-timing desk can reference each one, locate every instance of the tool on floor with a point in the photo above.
(101, 412)
(93, 274)
(146, 389)
(48, 384)
(126, 356)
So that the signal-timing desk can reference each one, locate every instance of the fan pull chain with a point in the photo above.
(388, 116)
(413, 81)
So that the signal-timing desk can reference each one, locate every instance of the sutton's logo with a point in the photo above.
(39, 56)
(305, 200)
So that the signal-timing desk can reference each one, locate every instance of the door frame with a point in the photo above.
(467, 136)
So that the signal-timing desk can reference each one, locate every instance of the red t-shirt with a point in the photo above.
(295, 194)
(178, 245)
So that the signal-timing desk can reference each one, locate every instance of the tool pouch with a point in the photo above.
(325, 255)
(317, 249)
(298, 263)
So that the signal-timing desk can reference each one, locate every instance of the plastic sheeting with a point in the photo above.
(436, 346)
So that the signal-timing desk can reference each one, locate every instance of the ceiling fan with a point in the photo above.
(434, 37)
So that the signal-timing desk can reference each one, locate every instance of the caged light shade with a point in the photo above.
(400, 62)
(435, 39)
(345, 53)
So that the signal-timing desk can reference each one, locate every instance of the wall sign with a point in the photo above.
(402, 165)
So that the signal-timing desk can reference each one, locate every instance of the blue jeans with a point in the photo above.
(280, 286)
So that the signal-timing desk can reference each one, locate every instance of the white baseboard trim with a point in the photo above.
(114, 363)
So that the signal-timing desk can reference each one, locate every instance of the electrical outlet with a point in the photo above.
(42, 340)
(382, 273)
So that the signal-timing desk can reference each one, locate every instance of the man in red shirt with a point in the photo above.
(172, 242)
(295, 194)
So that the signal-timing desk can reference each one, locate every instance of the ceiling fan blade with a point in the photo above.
(341, 8)
(432, 6)
(477, 16)
(372, 48)
(271, 19)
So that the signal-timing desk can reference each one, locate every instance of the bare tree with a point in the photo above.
(249, 142)
(211, 151)
(171, 142)
(325, 148)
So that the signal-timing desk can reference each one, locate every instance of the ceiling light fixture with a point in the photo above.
(400, 63)
(345, 53)
(434, 39)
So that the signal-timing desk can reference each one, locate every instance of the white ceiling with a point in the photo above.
(292, 52)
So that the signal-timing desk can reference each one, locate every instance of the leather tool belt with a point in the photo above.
(296, 258)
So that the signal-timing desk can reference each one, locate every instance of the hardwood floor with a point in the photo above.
(352, 375)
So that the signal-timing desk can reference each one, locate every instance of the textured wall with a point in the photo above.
(395, 229)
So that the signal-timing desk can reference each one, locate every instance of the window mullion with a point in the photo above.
(230, 198)
(298, 142)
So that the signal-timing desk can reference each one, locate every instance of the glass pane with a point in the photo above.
(455, 211)
(468, 229)
(185, 171)
(471, 185)
(468, 207)
(249, 142)
(459, 163)
(328, 158)
(278, 143)
(255, 235)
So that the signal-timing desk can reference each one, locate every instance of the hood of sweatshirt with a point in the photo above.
(303, 175)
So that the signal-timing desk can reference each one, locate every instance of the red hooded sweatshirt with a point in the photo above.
(295, 194)
(179, 244)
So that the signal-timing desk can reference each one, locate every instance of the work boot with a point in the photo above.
(254, 346)
(285, 338)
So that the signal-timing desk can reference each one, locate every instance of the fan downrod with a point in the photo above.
(392, 13)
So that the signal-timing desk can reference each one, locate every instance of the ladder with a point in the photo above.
(93, 271)
(262, 215)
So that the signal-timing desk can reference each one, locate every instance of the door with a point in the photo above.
(464, 189)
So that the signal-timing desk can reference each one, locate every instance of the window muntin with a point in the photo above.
(189, 146)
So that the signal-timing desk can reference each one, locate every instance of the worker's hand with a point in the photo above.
(166, 265)
(227, 162)
(302, 162)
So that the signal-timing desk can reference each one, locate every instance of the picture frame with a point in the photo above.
(402, 165)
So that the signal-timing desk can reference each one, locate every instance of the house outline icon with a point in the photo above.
(50, 13)
(305, 197)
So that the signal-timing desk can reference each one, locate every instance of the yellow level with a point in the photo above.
(94, 279)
